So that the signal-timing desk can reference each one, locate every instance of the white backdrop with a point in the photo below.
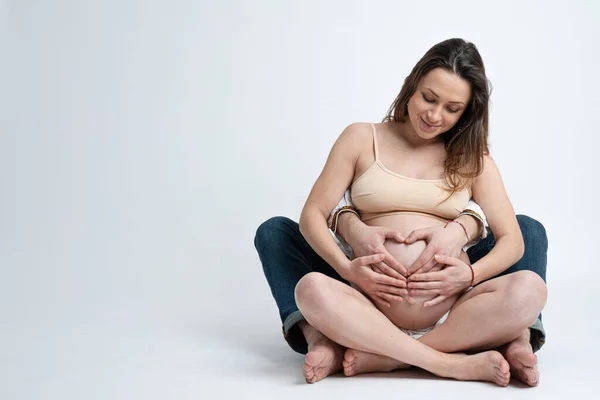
(143, 142)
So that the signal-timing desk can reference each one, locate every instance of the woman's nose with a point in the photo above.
(434, 116)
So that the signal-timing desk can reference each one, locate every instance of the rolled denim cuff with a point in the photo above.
(293, 334)
(538, 335)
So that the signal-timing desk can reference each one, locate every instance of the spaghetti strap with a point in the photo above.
(375, 142)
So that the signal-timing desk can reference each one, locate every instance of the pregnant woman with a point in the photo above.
(418, 169)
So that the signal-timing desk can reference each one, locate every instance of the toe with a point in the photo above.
(505, 367)
(349, 355)
(502, 379)
(531, 376)
(309, 374)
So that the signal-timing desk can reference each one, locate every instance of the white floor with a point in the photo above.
(182, 355)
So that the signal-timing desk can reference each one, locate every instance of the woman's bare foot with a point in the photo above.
(487, 366)
(324, 356)
(523, 363)
(358, 362)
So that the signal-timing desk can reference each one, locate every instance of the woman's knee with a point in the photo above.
(310, 289)
(527, 292)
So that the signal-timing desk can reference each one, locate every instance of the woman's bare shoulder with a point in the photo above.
(356, 135)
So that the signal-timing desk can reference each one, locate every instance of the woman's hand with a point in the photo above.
(367, 240)
(381, 288)
(455, 277)
(445, 241)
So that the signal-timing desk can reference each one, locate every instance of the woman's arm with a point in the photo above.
(333, 181)
(336, 176)
(489, 192)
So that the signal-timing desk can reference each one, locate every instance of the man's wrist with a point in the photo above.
(345, 223)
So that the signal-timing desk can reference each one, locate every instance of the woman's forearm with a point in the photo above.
(313, 226)
(473, 227)
(506, 252)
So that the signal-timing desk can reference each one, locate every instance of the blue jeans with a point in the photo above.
(286, 257)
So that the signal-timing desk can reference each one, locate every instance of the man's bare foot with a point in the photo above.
(487, 366)
(324, 356)
(358, 362)
(523, 363)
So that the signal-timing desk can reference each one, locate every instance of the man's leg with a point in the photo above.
(286, 257)
(535, 259)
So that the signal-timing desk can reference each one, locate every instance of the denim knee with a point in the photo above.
(536, 246)
(536, 233)
(270, 231)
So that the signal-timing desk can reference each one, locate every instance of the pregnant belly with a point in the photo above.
(412, 315)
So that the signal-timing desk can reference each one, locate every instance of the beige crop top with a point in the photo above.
(379, 191)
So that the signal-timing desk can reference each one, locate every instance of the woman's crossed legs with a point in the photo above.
(493, 313)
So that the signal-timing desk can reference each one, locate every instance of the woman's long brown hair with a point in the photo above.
(467, 141)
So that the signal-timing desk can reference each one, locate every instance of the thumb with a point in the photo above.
(390, 233)
(419, 234)
(447, 260)
(368, 260)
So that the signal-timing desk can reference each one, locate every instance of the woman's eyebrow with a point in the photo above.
(435, 94)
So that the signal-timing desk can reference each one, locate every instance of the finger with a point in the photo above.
(434, 301)
(400, 278)
(392, 262)
(424, 285)
(392, 290)
(429, 276)
(389, 281)
(368, 260)
(425, 261)
(447, 260)
(418, 234)
(384, 268)
(436, 267)
(390, 297)
(395, 234)
(424, 292)
(379, 300)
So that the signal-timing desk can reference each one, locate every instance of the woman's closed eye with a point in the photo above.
(430, 100)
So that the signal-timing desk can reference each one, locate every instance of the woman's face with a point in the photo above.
(437, 104)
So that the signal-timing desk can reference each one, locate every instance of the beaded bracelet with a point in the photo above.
(468, 211)
(336, 215)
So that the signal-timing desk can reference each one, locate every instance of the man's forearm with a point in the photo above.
(346, 222)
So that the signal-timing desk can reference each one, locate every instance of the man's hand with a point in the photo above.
(445, 241)
(379, 287)
(455, 277)
(367, 240)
